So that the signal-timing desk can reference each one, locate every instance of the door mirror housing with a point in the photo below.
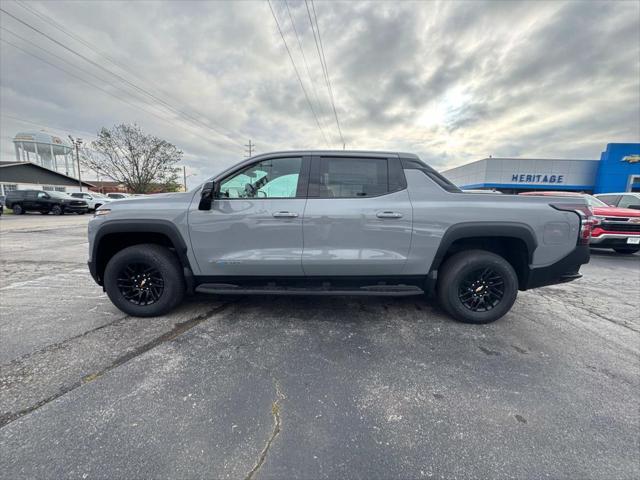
(209, 192)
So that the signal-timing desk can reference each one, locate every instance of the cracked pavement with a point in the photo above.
(310, 387)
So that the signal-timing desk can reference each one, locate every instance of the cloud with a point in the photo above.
(451, 81)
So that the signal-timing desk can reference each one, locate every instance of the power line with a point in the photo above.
(120, 77)
(293, 63)
(137, 107)
(122, 66)
(323, 63)
(306, 64)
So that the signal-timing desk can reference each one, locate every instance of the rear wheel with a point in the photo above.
(17, 209)
(144, 280)
(57, 210)
(627, 250)
(476, 286)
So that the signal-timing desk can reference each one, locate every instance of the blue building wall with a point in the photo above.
(617, 163)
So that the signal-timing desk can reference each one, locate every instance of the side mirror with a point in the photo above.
(207, 195)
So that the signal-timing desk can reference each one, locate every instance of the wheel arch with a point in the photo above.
(116, 235)
(514, 241)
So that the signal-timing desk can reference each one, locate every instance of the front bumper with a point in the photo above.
(75, 208)
(564, 270)
(606, 240)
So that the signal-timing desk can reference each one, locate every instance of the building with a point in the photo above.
(109, 187)
(618, 170)
(27, 176)
(48, 151)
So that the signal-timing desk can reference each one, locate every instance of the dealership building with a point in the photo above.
(617, 170)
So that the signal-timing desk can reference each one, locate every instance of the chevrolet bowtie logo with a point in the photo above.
(635, 158)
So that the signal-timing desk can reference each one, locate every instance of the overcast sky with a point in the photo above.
(450, 81)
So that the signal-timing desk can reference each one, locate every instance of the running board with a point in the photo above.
(372, 290)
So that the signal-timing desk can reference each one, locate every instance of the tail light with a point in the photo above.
(587, 220)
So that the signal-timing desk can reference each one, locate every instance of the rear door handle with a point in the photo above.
(388, 215)
(285, 214)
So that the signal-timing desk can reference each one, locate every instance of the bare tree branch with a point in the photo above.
(127, 155)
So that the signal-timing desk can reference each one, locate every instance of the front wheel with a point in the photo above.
(627, 250)
(476, 286)
(57, 210)
(144, 280)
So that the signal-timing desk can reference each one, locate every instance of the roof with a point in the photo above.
(336, 153)
(34, 173)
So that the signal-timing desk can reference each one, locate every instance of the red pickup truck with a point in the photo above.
(613, 227)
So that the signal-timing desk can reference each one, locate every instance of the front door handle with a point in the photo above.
(285, 214)
(388, 215)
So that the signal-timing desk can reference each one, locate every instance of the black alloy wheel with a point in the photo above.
(140, 283)
(481, 290)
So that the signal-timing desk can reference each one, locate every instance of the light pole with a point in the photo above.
(77, 142)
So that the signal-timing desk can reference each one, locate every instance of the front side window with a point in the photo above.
(275, 178)
(42, 195)
(353, 177)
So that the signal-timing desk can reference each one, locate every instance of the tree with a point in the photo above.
(140, 161)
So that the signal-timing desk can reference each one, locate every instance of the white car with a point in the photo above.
(118, 196)
(94, 200)
(621, 199)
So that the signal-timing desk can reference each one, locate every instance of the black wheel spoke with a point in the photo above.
(140, 283)
(481, 290)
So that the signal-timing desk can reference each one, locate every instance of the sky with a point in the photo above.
(450, 81)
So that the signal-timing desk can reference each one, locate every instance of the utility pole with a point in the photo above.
(184, 176)
(77, 142)
(250, 148)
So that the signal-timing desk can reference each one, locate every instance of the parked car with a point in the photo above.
(94, 200)
(622, 200)
(613, 227)
(117, 196)
(2, 199)
(57, 203)
(373, 224)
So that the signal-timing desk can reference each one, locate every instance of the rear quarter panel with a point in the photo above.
(435, 211)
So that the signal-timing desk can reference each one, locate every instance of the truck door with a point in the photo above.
(254, 227)
(358, 217)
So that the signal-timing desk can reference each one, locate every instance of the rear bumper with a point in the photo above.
(564, 270)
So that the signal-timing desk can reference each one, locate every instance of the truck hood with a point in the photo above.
(140, 202)
(615, 212)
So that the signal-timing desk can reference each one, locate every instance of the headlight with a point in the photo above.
(102, 211)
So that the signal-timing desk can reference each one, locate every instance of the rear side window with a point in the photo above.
(342, 177)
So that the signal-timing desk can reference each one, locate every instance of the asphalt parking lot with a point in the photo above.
(310, 387)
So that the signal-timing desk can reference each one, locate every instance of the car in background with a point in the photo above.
(622, 200)
(57, 203)
(118, 196)
(613, 227)
(2, 198)
(94, 200)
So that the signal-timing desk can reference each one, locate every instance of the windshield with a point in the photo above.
(58, 195)
(594, 202)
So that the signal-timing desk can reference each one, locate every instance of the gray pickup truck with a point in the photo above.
(336, 223)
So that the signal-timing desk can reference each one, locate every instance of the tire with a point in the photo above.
(17, 209)
(131, 263)
(57, 210)
(96, 206)
(463, 274)
(627, 250)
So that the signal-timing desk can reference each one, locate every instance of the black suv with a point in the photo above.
(21, 201)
